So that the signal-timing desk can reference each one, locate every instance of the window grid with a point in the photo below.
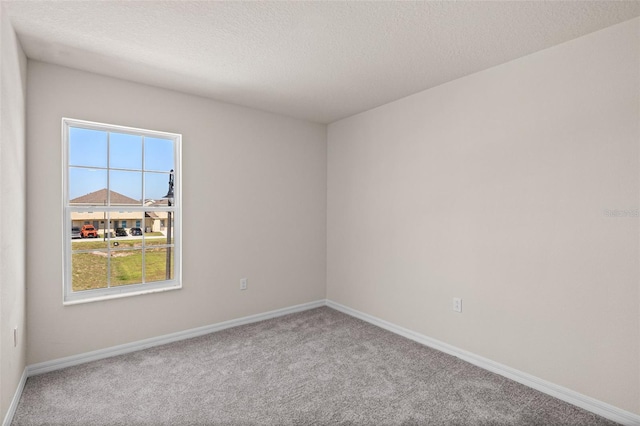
(145, 248)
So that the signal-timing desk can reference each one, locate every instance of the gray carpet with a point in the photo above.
(311, 368)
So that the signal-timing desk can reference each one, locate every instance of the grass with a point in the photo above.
(90, 269)
(97, 243)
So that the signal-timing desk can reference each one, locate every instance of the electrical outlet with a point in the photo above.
(457, 304)
(243, 283)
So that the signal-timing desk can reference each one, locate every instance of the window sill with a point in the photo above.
(100, 298)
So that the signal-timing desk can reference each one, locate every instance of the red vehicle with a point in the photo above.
(88, 231)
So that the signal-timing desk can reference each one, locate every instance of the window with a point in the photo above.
(118, 175)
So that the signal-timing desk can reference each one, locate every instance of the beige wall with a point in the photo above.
(13, 68)
(493, 188)
(254, 198)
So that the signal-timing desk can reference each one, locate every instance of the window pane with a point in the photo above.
(87, 147)
(156, 264)
(151, 225)
(158, 154)
(94, 222)
(126, 187)
(104, 227)
(126, 267)
(156, 223)
(135, 230)
(89, 270)
(124, 225)
(156, 186)
(125, 151)
(87, 186)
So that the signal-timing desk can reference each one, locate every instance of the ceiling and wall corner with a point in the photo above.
(318, 61)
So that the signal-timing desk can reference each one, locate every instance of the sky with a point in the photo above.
(94, 158)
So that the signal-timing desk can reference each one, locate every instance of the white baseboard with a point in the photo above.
(8, 418)
(585, 402)
(57, 364)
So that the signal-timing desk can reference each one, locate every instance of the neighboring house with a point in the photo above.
(151, 222)
(156, 220)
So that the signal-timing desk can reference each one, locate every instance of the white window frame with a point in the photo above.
(71, 297)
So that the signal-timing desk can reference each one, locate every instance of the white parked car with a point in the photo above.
(75, 232)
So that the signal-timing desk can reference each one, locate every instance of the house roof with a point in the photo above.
(100, 197)
(96, 215)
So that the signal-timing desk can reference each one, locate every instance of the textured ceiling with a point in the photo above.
(320, 61)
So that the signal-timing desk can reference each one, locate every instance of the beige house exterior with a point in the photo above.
(108, 222)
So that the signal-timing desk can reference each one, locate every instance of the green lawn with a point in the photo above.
(97, 243)
(89, 270)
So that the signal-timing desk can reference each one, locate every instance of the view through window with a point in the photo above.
(122, 210)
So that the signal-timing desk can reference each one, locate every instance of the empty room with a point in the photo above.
(292, 213)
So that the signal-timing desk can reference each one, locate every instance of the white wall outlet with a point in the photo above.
(243, 283)
(457, 304)
(15, 336)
